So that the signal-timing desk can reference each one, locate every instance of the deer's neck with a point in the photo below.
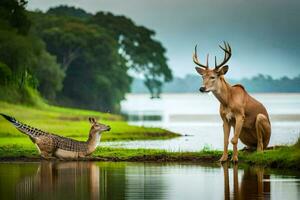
(93, 140)
(223, 92)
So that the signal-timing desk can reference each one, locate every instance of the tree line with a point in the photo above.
(258, 83)
(74, 58)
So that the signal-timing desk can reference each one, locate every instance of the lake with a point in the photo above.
(108, 180)
(196, 116)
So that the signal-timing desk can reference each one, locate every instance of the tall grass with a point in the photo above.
(25, 95)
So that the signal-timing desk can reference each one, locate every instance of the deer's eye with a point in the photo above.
(212, 78)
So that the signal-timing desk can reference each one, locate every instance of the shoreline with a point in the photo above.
(147, 158)
(283, 157)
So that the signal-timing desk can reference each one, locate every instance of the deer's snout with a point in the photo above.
(108, 128)
(202, 89)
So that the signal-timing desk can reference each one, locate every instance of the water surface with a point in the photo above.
(197, 115)
(106, 180)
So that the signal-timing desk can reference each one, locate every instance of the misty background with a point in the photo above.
(264, 35)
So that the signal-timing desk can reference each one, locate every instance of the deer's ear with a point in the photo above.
(91, 120)
(222, 70)
(200, 70)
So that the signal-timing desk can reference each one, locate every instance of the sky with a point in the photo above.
(264, 34)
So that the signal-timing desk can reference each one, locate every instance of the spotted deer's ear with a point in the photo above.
(91, 120)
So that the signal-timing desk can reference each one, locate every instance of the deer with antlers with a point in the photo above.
(248, 117)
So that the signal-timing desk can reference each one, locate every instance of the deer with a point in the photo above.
(238, 110)
(51, 145)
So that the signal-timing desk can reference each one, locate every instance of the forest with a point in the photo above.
(68, 57)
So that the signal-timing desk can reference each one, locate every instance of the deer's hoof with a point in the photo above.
(235, 160)
(223, 159)
(259, 149)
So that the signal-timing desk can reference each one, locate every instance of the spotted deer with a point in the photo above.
(248, 117)
(52, 145)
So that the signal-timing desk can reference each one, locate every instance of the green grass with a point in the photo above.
(73, 123)
(25, 95)
(27, 149)
(287, 157)
(283, 157)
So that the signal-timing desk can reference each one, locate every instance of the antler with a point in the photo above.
(196, 61)
(227, 50)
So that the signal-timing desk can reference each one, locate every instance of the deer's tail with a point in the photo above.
(27, 130)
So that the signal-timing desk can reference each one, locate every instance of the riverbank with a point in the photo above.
(285, 157)
(72, 123)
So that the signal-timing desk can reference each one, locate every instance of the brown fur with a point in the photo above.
(251, 184)
(239, 110)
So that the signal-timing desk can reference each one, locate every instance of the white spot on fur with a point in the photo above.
(66, 154)
(229, 116)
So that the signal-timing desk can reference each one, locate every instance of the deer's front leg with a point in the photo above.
(239, 121)
(226, 130)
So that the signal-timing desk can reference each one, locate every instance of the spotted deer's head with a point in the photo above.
(98, 126)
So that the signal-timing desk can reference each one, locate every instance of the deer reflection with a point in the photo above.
(61, 180)
(252, 185)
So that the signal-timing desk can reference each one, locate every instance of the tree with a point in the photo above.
(96, 56)
(69, 11)
(13, 15)
(136, 45)
(96, 75)
(24, 62)
(49, 76)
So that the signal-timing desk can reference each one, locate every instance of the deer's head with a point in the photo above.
(98, 127)
(211, 77)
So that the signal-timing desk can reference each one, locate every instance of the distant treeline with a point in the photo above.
(259, 83)
(74, 58)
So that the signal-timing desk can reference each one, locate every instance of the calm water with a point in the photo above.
(104, 180)
(196, 115)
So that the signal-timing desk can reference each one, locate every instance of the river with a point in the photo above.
(196, 117)
(107, 180)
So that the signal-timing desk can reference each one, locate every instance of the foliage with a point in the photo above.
(73, 58)
(101, 51)
(25, 95)
(5, 73)
(137, 46)
(13, 16)
(49, 75)
(69, 11)
(265, 83)
(24, 62)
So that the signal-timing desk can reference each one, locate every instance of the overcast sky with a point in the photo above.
(264, 34)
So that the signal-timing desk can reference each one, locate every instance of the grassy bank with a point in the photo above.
(72, 123)
(287, 157)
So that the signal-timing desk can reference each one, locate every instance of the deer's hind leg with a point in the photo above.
(46, 146)
(263, 131)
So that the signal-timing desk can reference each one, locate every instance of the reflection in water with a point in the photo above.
(80, 180)
(61, 180)
(106, 180)
(253, 184)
